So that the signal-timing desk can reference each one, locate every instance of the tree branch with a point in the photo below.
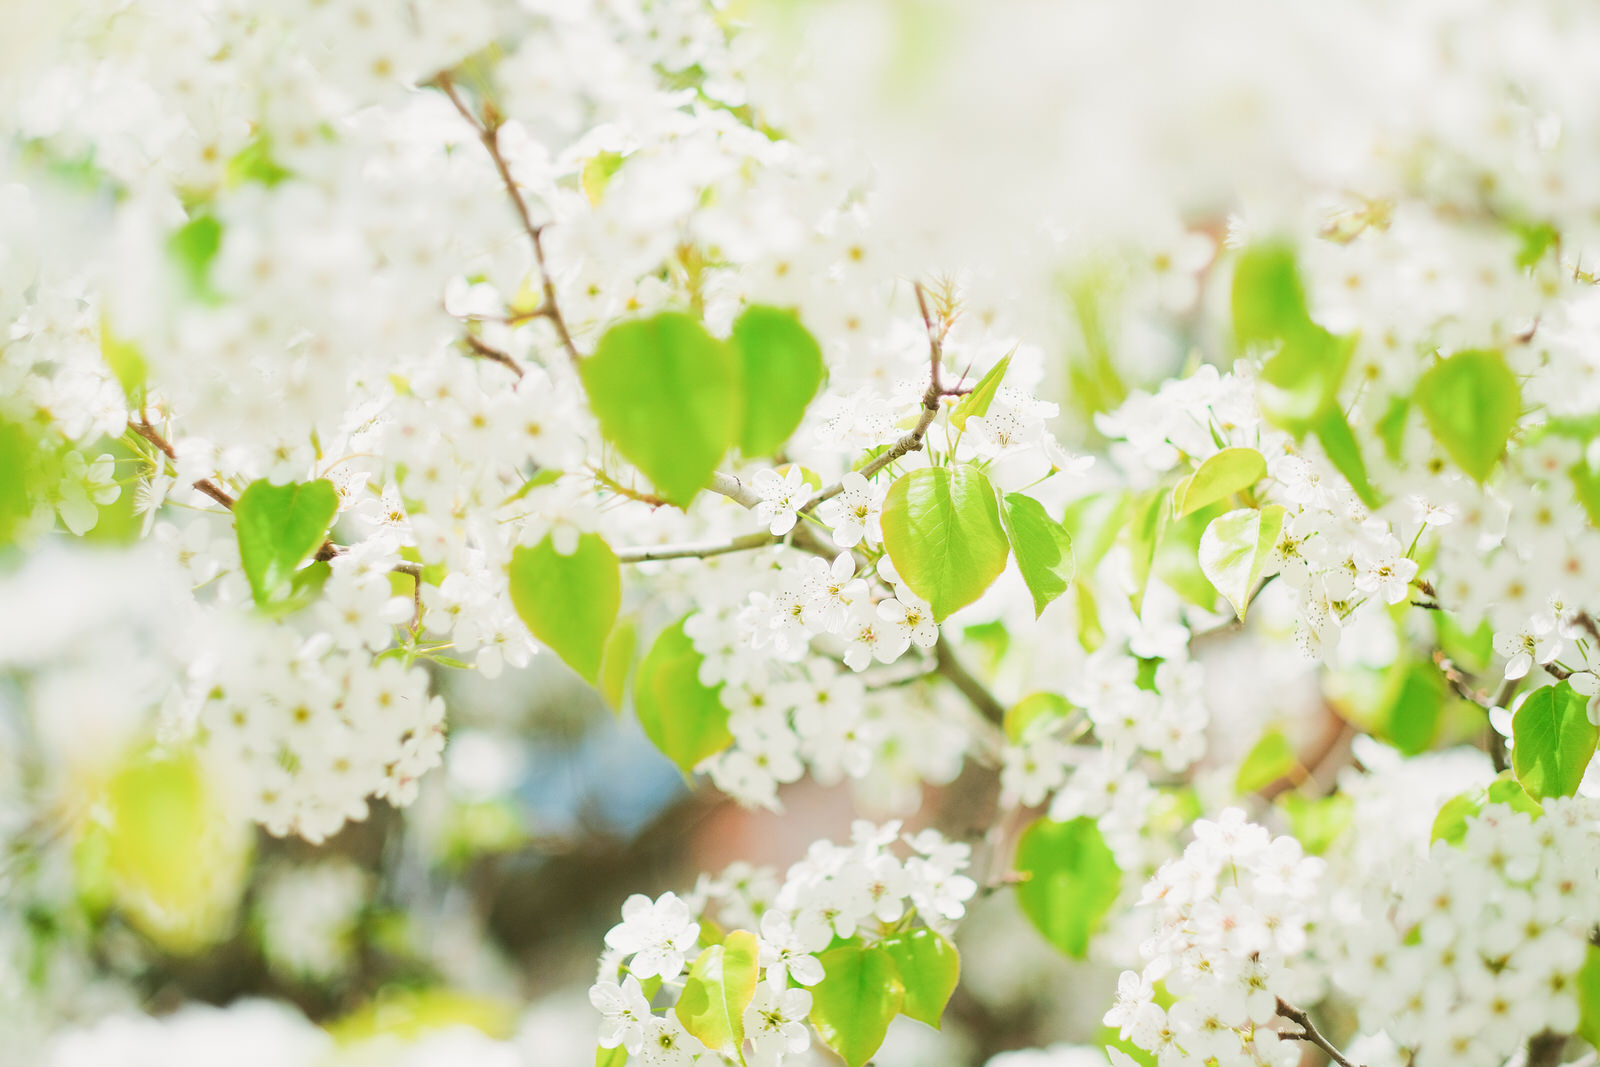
(484, 349)
(696, 549)
(488, 128)
(1545, 1049)
(205, 485)
(956, 674)
(1310, 1034)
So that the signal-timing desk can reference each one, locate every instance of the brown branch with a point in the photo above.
(1309, 1033)
(488, 130)
(957, 675)
(485, 350)
(625, 491)
(205, 485)
(1545, 1049)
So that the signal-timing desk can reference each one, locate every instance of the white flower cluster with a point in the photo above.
(1478, 946)
(1231, 918)
(860, 890)
(305, 735)
(787, 718)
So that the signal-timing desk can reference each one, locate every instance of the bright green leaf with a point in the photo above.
(1093, 522)
(1219, 477)
(929, 967)
(782, 370)
(1144, 537)
(942, 531)
(1235, 550)
(1042, 546)
(569, 602)
(1270, 759)
(192, 247)
(860, 993)
(126, 361)
(669, 396)
(610, 1057)
(1552, 741)
(278, 527)
(1317, 821)
(1471, 402)
(617, 659)
(1588, 990)
(596, 174)
(975, 404)
(682, 716)
(1450, 825)
(1034, 708)
(1340, 445)
(1072, 881)
(1412, 717)
(720, 986)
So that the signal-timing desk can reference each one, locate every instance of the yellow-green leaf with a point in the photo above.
(1235, 550)
(278, 527)
(860, 993)
(782, 365)
(1270, 759)
(682, 716)
(929, 968)
(1042, 547)
(1552, 741)
(942, 531)
(720, 986)
(1072, 881)
(1471, 402)
(1219, 477)
(669, 396)
(976, 403)
(569, 602)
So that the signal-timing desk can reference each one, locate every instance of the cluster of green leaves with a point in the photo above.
(910, 972)
(673, 399)
(949, 534)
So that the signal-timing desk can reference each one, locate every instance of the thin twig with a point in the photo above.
(1310, 1034)
(489, 133)
(205, 485)
(957, 675)
(482, 348)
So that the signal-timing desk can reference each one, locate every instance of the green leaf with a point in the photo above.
(1093, 522)
(942, 531)
(720, 986)
(1235, 548)
(1300, 381)
(1073, 879)
(1471, 402)
(1219, 477)
(1412, 718)
(1317, 821)
(617, 659)
(569, 602)
(610, 1057)
(860, 993)
(254, 163)
(975, 405)
(1035, 707)
(126, 361)
(24, 477)
(1588, 990)
(1450, 825)
(684, 718)
(1144, 536)
(596, 174)
(1270, 759)
(783, 367)
(278, 527)
(192, 247)
(1340, 446)
(1042, 546)
(929, 968)
(668, 395)
(1552, 741)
